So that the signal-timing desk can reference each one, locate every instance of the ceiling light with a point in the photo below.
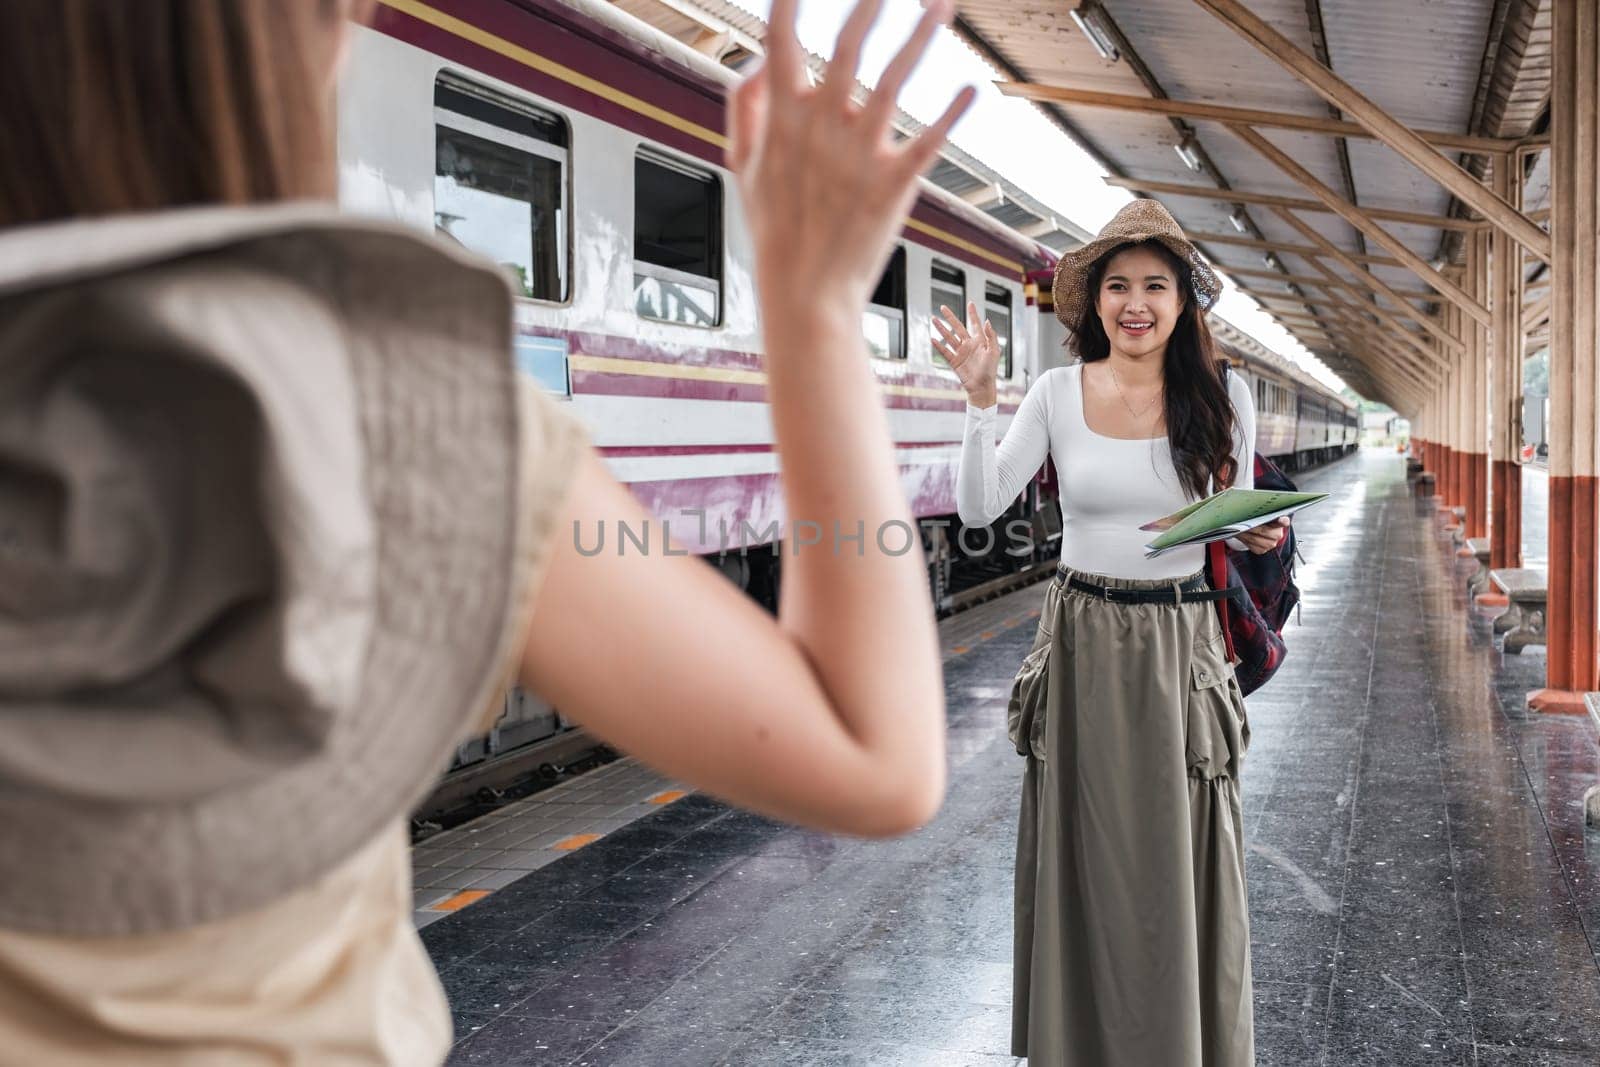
(1271, 260)
(1186, 152)
(1092, 23)
(1237, 218)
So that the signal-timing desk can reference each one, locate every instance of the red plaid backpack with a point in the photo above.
(1251, 626)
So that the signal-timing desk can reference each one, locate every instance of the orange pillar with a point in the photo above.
(1455, 414)
(1476, 420)
(1574, 338)
(1505, 273)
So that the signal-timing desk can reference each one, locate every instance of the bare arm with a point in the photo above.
(989, 479)
(833, 714)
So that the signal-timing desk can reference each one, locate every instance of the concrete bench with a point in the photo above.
(1523, 622)
(1476, 549)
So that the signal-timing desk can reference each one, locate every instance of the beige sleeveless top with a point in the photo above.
(334, 974)
(331, 975)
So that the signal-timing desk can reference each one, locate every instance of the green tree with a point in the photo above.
(1536, 375)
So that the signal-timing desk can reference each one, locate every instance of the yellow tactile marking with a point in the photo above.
(668, 796)
(460, 900)
(567, 844)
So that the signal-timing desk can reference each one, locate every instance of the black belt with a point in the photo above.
(1194, 590)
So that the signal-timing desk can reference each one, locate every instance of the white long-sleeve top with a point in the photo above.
(1110, 486)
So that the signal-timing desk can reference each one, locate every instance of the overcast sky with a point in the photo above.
(1012, 137)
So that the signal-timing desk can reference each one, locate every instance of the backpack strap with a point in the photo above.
(1217, 554)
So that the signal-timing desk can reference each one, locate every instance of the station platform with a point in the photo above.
(1421, 889)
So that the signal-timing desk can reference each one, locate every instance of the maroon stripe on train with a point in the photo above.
(573, 41)
(634, 451)
(595, 383)
(936, 215)
(754, 495)
(614, 347)
(592, 49)
(610, 346)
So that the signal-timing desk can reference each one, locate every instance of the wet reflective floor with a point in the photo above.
(1421, 884)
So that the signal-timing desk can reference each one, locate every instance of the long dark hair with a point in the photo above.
(1200, 423)
(110, 107)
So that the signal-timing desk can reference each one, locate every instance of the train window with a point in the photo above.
(677, 242)
(500, 184)
(949, 287)
(884, 323)
(997, 309)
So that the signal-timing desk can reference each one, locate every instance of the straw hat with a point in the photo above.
(270, 496)
(1140, 220)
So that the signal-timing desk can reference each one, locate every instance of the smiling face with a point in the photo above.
(1139, 301)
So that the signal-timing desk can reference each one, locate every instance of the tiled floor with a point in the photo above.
(1421, 883)
(458, 867)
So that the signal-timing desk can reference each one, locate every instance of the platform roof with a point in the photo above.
(1468, 68)
(724, 31)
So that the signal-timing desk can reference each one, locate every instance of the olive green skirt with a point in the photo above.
(1132, 932)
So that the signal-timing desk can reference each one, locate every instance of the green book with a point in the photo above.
(1223, 515)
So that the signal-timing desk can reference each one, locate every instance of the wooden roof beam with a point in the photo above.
(1305, 251)
(1303, 279)
(1343, 322)
(1363, 221)
(1243, 196)
(1381, 338)
(1535, 313)
(1279, 120)
(1395, 327)
(1371, 281)
(1411, 147)
(1389, 378)
(1363, 307)
(1299, 325)
(1338, 329)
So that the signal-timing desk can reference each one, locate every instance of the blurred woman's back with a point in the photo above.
(280, 519)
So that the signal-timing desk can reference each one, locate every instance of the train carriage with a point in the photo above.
(583, 150)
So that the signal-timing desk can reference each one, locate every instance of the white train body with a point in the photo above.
(679, 409)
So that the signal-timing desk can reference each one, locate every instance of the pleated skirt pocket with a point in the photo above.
(1025, 713)
(1217, 734)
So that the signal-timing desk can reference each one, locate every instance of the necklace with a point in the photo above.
(1136, 414)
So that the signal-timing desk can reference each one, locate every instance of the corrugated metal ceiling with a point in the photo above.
(1425, 62)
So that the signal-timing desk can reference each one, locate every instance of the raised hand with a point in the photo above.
(825, 186)
(972, 350)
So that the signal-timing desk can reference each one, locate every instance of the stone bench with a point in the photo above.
(1477, 549)
(1523, 622)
